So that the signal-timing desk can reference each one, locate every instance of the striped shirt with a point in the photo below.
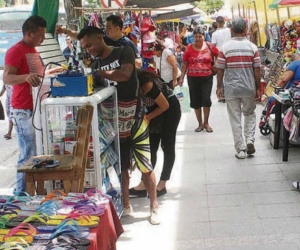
(239, 57)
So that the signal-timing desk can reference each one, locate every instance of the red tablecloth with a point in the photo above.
(105, 235)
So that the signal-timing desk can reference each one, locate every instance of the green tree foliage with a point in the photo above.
(210, 6)
(93, 3)
(2, 3)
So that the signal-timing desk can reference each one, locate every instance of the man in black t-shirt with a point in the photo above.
(118, 65)
(115, 37)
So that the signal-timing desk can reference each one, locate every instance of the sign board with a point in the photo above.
(114, 4)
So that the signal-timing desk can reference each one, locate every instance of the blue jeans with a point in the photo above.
(22, 119)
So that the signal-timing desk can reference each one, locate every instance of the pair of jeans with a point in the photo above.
(236, 107)
(22, 119)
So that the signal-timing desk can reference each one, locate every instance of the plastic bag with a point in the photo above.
(183, 96)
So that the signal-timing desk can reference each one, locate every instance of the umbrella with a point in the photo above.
(274, 4)
(289, 2)
(140, 145)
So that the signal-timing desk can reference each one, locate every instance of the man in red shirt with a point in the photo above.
(23, 68)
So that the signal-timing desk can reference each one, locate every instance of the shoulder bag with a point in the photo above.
(213, 68)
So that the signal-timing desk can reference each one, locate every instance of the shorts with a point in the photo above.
(137, 146)
(200, 91)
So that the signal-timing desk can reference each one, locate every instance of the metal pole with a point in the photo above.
(265, 9)
(288, 12)
(232, 11)
(244, 16)
(278, 17)
(239, 9)
(259, 38)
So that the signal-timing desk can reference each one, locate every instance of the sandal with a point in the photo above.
(7, 137)
(199, 129)
(208, 129)
(69, 241)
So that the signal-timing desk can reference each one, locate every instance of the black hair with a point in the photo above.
(33, 23)
(214, 24)
(89, 31)
(115, 20)
(220, 19)
(198, 30)
(158, 46)
(145, 76)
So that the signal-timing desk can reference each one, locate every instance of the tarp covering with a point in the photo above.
(49, 11)
(155, 3)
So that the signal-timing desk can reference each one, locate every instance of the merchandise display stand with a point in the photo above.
(71, 168)
(59, 129)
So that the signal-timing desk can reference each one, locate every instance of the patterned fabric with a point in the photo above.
(140, 145)
(199, 62)
(239, 56)
(148, 101)
(29, 61)
(126, 117)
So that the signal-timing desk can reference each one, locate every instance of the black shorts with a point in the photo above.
(200, 91)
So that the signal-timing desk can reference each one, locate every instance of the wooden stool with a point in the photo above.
(71, 169)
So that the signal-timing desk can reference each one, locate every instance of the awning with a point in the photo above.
(283, 3)
(173, 15)
(289, 2)
(175, 20)
(199, 18)
(155, 3)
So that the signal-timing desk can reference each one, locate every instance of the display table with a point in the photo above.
(104, 237)
(281, 105)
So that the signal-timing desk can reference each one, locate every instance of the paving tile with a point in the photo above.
(229, 188)
(276, 197)
(236, 229)
(265, 177)
(281, 226)
(233, 214)
(227, 200)
(269, 186)
(225, 178)
(278, 210)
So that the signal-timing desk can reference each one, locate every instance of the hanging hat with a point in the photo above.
(147, 25)
(149, 37)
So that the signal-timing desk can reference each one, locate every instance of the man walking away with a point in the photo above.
(239, 69)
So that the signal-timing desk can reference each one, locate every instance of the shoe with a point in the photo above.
(161, 192)
(154, 218)
(127, 211)
(250, 148)
(137, 193)
(296, 185)
(241, 154)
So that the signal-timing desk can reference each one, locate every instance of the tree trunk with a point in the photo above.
(71, 13)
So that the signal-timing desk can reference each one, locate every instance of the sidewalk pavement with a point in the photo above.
(216, 201)
(8, 156)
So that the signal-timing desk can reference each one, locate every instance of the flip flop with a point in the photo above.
(199, 129)
(208, 129)
(7, 137)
